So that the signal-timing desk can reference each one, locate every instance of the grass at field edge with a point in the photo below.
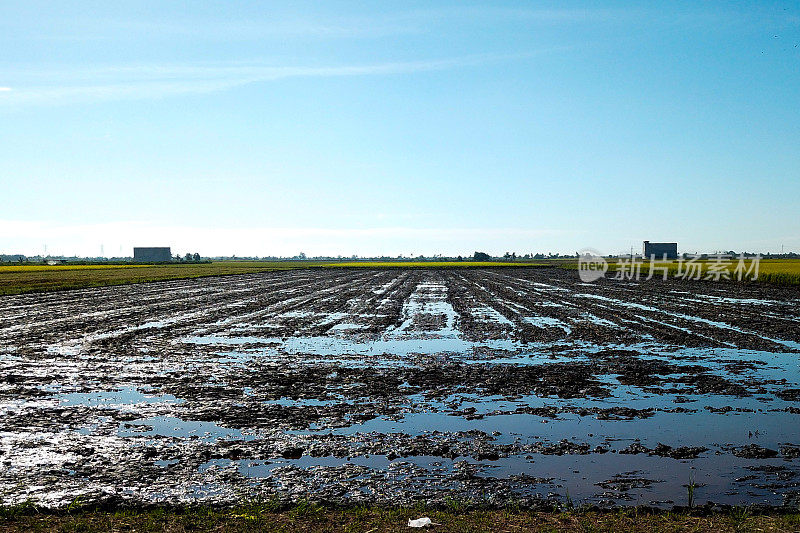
(306, 516)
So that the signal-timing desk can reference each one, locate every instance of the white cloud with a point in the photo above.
(5, 89)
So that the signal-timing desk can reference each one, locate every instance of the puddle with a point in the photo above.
(547, 322)
(121, 399)
(172, 427)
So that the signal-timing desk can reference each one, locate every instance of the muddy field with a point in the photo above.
(499, 386)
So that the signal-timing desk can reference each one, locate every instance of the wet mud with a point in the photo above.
(498, 386)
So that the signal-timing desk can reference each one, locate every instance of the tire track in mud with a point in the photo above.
(660, 318)
(110, 293)
(319, 306)
(167, 309)
(168, 294)
(592, 321)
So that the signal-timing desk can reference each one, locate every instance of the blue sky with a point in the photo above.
(398, 128)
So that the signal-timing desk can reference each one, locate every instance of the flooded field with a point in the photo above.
(347, 386)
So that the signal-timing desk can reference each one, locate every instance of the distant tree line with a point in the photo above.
(188, 258)
(512, 256)
(476, 256)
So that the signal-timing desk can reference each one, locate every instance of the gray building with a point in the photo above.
(660, 249)
(152, 255)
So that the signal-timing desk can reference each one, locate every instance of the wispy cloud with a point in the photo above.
(129, 82)
(5, 89)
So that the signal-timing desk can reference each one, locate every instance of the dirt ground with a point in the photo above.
(504, 387)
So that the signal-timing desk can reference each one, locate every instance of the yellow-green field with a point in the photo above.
(18, 279)
(38, 278)
(45, 268)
